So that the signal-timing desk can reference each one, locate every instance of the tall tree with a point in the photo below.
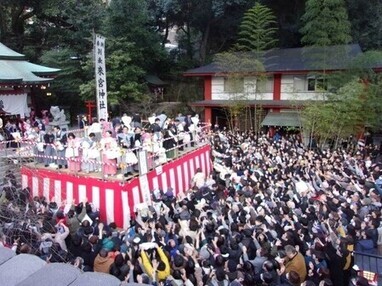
(325, 23)
(14, 16)
(353, 104)
(133, 50)
(207, 26)
(39, 25)
(257, 29)
(242, 71)
(366, 23)
(129, 21)
(288, 15)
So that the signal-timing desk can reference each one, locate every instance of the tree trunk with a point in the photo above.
(189, 43)
(165, 36)
(250, 118)
(204, 43)
(311, 137)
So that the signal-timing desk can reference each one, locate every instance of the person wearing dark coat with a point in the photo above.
(89, 253)
(119, 268)
(336, 263)
(169, 144)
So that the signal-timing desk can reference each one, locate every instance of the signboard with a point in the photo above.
(145, 189)
(100, 75)
(142, 162)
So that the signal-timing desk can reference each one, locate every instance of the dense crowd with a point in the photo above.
(271, 213)
(107, 147)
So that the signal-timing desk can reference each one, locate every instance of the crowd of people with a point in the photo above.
(107, 147)
(271, 213)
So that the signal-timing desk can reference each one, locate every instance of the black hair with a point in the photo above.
(161, 266)
(178, 260)
(220, 274)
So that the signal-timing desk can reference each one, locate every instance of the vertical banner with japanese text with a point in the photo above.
(100, 75)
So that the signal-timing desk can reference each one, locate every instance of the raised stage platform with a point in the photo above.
(116, 198)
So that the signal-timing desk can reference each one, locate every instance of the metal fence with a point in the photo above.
(18, 152)
(369, 262)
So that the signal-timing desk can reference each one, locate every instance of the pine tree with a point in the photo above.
(325, 23)
(257, 30)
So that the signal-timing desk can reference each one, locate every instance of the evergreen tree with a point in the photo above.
(366, 23)
(325, 23)
(257, 30)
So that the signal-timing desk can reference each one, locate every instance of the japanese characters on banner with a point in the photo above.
(100, 73)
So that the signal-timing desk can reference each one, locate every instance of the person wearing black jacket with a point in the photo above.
(336, 263)
(188, 122)
(119, 267)
(49, 151)
(156, 129)
(169, 144)
(60, 140)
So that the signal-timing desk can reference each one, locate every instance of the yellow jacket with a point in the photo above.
(162, 274)
(349, 257)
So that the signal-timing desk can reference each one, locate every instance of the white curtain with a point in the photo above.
(15, 104)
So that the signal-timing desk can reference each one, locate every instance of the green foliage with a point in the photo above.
(206, 26)
(65, 88)
(257, 30)
(344, 113)
(325, 23)
(52, 31)
(239, 64)
(360, 68)
(69, 77)
(124, 78)
(185, 90)
(234, 67)
(129, 22)
(366, 23)
(352, 103)
(133, 49)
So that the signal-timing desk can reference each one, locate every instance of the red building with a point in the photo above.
(289, 78)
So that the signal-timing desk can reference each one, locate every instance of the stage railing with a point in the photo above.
(368, 261)
(25, 148)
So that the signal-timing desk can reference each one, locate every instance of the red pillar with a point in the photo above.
(208, 96)
(207, 88)
(208, 114)
(276, 90)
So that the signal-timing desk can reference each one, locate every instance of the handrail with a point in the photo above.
(368, 261)
(368, 254)
(27, 148)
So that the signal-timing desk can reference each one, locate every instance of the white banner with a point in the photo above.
(100, 73)
(14, 104)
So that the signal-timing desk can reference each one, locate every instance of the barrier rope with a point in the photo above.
(29, 149)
